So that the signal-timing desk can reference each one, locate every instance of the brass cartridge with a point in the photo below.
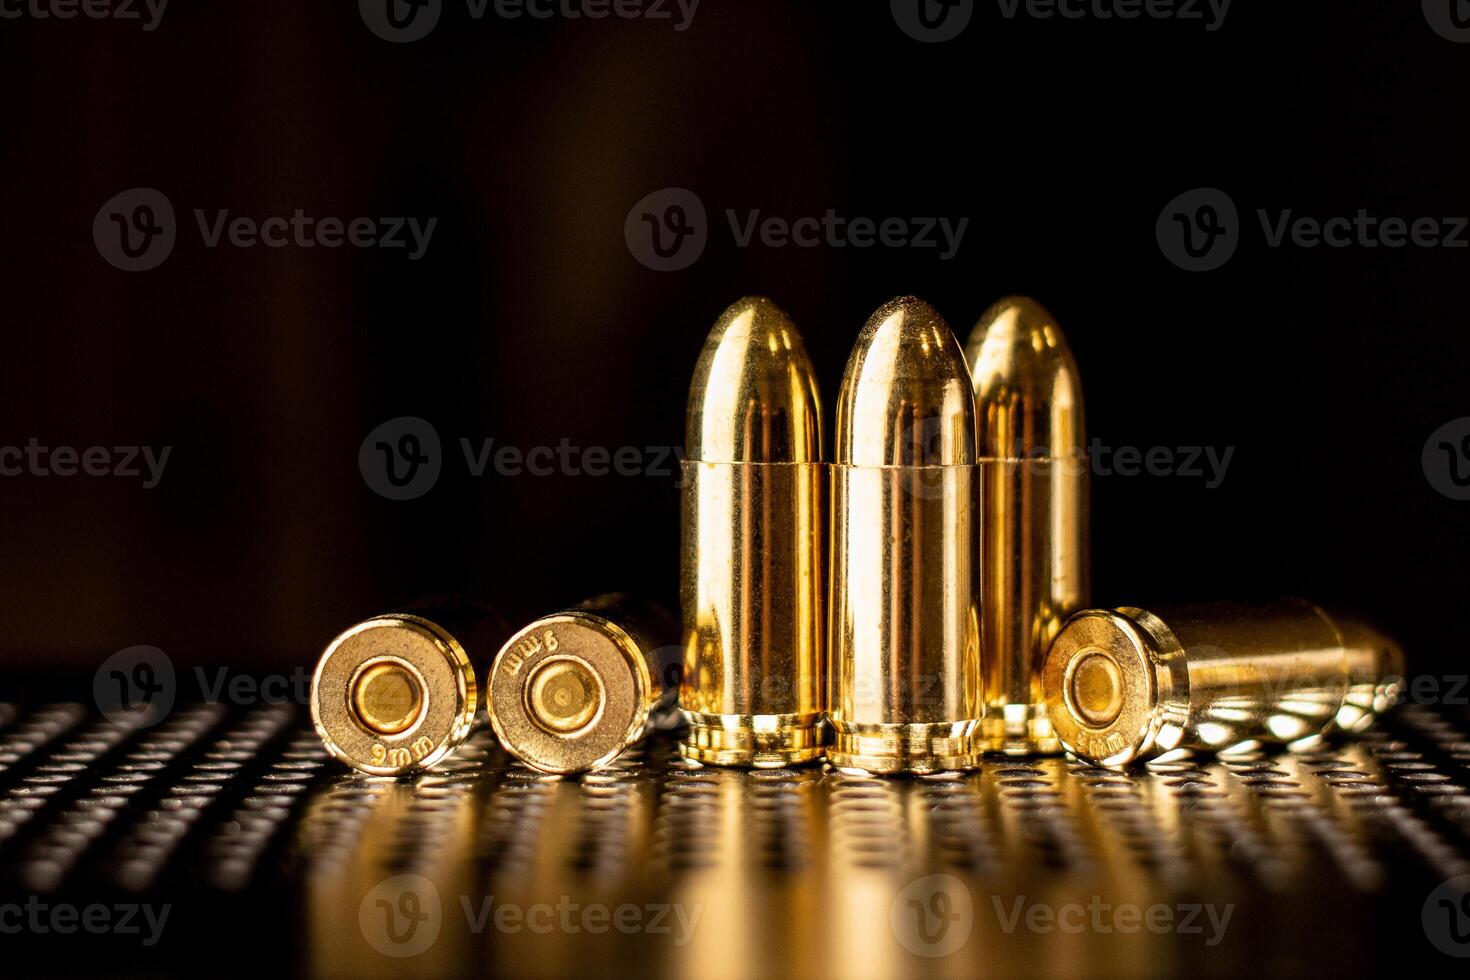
(1127, 684)
(1033, 526)
(572, 690)
(751, 578)
(905, 649)
(396, 693)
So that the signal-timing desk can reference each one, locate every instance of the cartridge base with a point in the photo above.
(1117, 687)
(571, 691)
(393, 695)
(1017, 730)
(891, 750)
(753, 741)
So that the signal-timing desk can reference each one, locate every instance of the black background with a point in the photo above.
(529, 321)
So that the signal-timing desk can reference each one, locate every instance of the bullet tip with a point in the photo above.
(754, 393)
(906, 396)
(1027, 390)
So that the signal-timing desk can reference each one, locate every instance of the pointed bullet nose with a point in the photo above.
(1027, 393)
(906, 396)
(754, 394)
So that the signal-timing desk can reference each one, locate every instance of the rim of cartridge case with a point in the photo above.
(753, 741)
(514, 743)
(455, 660)
(997, 735)
(1152, 720)
(898, 749)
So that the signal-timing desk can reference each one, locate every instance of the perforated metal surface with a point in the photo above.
(268, 856)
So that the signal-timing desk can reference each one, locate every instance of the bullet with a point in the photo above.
(905, 649)
(751, 578)
(572, 690)
(1033, 527)
(396, 693)
(1126, 685)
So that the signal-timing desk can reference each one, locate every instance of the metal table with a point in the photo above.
(240, 848)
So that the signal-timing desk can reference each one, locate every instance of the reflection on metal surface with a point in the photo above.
(1129, 684)
(905, 632)
(1269, 862)
(753, 538)
(1033, 528)
(572, 690)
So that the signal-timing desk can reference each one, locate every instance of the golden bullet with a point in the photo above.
(1033, 528)
(396, 693)
(905, 654)
(751, 579)
(1126, 685)
(572, 690)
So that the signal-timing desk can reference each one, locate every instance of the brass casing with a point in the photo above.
(1126, 685)
(1033, 528)
(572, 690)
(751, 577)
(905, 649)
(393, 695)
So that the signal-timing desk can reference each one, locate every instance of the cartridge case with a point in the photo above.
(1034, 523)
(905, 653)
(396, 693)
(753, 538)
(1129, 684)
(570, 691)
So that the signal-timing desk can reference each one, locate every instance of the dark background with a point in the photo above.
(529, 321)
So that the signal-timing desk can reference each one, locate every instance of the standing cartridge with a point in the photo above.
(751, 579)
(1033, 525)
(905, 655)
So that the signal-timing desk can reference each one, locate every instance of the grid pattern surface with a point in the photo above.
(240, 847)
